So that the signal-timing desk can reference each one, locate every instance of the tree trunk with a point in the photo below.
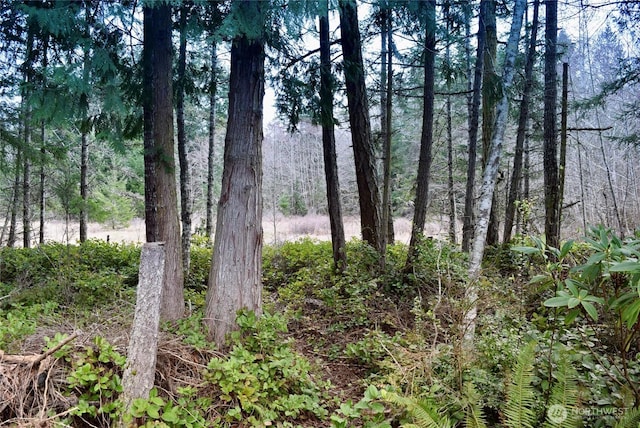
(160, 183)
(363, 150)
(26, 188)
(550, 156)
(474, 116)
(213, 89)
(426, 139)
(235, 276)
(13, 225)
(185, 175)
(329, 146)
(564, 111)
(140, 368)
(84, 186)
(491, 172)
(490, 98)
(450, 187)
(386, 108)
(516, 177)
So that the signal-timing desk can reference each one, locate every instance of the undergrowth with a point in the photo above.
(369, 346)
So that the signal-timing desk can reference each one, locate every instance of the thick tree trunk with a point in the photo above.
(213, 89)
(185, 175)
(491, 172)
(474, 116)
(84, 186)
(490, 98)
(426, 139)
(235, 276)
(160, 183)
(550, 156)
(523, 118)
(329, 146)
(363, 150)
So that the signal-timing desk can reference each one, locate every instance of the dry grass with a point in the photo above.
(276, 229)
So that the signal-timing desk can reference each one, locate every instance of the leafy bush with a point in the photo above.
(263, 379)
(82, 275)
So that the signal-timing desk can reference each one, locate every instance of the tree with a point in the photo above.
(235, 275)
(358, 104)
(329, 145)
(161, 202)
(185, 175)
(516, 176)
(491, 171)
(550, 157)
(426, 139)
(490, 98)
(474, 114)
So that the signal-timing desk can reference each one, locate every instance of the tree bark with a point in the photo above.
(426, 139)
(213, 89)
(363, 150)
(26, 188)
(84, 186)
(185, 175)
(550, 152)
(474, 116)
(523, 118)
(13, 225)
(491, 172)
(160, 183)
(235, 276)
(329, 146)
(140, 368)
(386, 108)
(564, 111)
(490, 98)
(450, 184)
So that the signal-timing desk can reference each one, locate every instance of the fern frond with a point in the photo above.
(519, 409)
(425, 413)
(631, 419)
(564, 393)
(474, 416)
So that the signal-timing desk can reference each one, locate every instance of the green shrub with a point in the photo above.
(263, 379)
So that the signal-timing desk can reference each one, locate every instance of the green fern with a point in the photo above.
(565, 394)
(425, 413)
(631, 419)
(519, 409)
(474, 416)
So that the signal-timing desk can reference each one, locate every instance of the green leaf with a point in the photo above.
(573, 302)
(626, 266)
(527, 250)
(573, 286)
(566, 247)
(557, 302)
(591, 310)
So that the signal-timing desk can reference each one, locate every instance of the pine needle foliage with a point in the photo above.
(519, 409)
